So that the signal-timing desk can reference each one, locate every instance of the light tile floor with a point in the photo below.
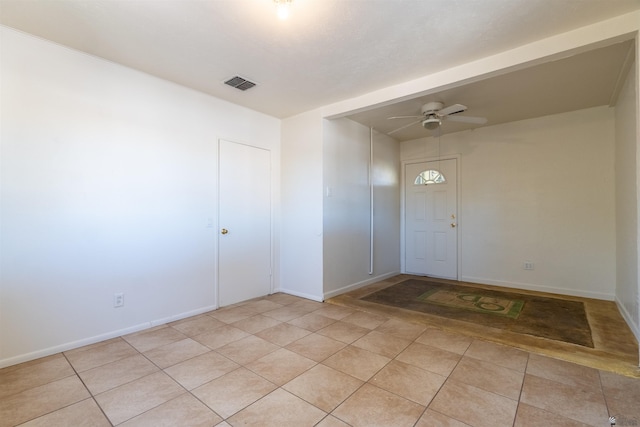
(285, 361)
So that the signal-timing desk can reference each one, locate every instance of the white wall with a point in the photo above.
(539, 190)
(627, 202)
(347, 207)
(108, 182)
(301, 206)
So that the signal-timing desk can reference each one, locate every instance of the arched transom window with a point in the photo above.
(430, 176)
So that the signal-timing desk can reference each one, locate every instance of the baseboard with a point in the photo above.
(299, 294)
(540, 288)
(357, 285)
(629, 319)
(97, 338)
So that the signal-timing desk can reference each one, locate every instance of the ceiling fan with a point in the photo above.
(433, 113)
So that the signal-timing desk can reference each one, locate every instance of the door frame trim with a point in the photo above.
(216, 261)
(403, 166)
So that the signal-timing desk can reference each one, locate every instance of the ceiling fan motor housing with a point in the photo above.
(431, 108)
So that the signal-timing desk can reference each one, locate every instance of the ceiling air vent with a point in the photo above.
(240, 83)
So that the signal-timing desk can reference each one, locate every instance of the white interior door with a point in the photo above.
(244, 244)
(431, 212)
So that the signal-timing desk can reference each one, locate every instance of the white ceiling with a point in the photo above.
(330, 50)
(581, 81)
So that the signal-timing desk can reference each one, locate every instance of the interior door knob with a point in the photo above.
(224, 231)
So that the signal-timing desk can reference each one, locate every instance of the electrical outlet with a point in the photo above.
(118, 299)
(528, 265)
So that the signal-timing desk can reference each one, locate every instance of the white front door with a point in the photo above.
(244, 248)
(431, 214)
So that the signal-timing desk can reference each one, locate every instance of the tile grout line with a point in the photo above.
(250, 370)
(190, 392)
(444, 382)
(604, 396)
(86, 388)
(316, 364)
(280, 387)
(524, 377)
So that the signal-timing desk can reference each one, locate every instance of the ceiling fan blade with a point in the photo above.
(403, 127)
(467, 119)
(403, 117)
(452, 109)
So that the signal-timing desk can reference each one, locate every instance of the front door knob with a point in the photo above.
(224, 231)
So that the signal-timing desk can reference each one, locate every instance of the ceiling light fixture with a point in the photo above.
(283, 8)
(432, 122)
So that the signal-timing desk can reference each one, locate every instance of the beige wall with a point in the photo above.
(627, 202)
(346, 207)
(539, 190)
